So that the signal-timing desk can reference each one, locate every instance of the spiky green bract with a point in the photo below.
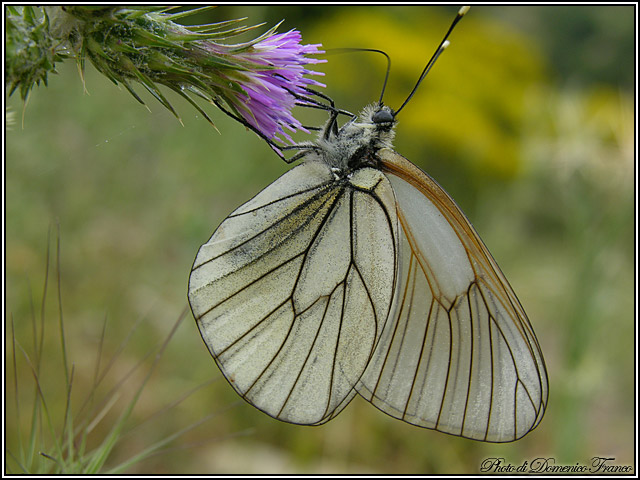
(259, 81)
(31, 51)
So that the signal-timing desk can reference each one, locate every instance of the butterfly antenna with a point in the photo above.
(349, 50)
(386, 75)
(443, 44)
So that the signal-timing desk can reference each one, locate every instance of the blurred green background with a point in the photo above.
(526, 120)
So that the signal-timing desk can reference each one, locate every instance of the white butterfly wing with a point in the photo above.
(292, 290)
(458, 354)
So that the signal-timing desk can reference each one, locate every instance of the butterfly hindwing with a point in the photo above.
(458, 353)
(292, 290)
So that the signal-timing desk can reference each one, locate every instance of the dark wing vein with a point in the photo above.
(320, 188)
(277, 223)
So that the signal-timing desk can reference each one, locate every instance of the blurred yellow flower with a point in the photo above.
(469, 109)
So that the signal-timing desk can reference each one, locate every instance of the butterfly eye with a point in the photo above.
(382, 116)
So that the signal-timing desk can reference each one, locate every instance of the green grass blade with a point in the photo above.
(67, 424)
(20, 465)
(44, 298)
(63, 342)
(82, 434)
(109, 365)
(158, 447)
(104, 450)
(173, 404)
(15, 387)
(40, 400)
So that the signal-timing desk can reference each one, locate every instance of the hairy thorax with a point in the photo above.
(357, 142)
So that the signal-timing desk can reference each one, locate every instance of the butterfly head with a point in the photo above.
(375, 127)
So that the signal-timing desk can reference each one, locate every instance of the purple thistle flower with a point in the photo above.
(260, 81)
(271, 84)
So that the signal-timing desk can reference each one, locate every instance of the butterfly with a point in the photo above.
(355, 273)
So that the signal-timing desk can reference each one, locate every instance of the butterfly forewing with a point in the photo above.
(292, 291)
(458, 353)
